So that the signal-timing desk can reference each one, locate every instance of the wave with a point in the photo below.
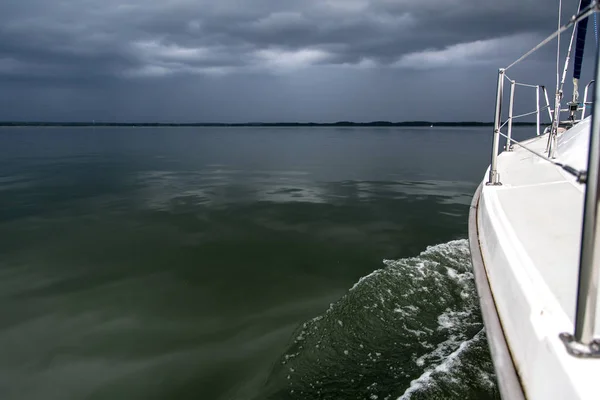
(407, 331)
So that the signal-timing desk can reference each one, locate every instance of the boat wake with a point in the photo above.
(411, 330)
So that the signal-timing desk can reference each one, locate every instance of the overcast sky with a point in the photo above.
(268, 60)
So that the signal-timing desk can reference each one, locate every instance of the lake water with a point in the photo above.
(240, 263)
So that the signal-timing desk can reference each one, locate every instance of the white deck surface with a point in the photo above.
(529, 232)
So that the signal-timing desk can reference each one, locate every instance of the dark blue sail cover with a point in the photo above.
(580, 43)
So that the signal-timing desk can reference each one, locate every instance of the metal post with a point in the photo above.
(589, 268)
(493, 179)
(537, 109)
(582, 343)
(585, 93)
(509, 145)
(547, 102)
(552, 138)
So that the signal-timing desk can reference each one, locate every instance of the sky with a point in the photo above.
(270, 60)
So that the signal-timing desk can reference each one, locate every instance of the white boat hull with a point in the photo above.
(527, 232)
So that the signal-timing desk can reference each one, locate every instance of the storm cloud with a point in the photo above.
(269, 60)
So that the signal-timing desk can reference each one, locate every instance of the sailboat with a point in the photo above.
(534, 235)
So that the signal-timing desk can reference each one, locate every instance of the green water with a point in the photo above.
(217, 263)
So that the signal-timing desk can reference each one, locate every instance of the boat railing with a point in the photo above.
(582, 343)
(586, 103)
(494, 178)
(538, 110)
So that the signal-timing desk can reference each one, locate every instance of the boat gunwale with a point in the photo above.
(506, 374)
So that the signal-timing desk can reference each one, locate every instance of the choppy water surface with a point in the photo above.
(240, 264)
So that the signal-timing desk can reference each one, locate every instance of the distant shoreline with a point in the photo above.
(259, 124)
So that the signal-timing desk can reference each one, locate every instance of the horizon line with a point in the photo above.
(249, 124)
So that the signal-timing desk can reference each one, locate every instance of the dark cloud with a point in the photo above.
(263, 59)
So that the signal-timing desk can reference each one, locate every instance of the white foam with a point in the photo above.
(442, 264)
(451, 319)
(445, 366)
(445, 249)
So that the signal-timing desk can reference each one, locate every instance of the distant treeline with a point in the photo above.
(263, 124)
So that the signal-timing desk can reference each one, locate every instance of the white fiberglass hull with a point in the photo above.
(525, 238)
